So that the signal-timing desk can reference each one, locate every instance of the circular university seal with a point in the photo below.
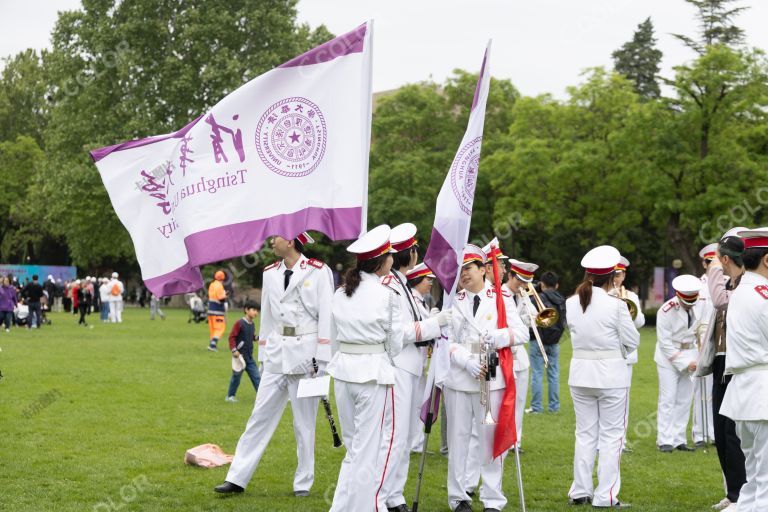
(291, 137)
(464, 174)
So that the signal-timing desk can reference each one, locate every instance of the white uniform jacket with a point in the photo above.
(111, 284)
(416, 327)
(425, 313)
(295, 322)
(372, 316)
(601, 337)
(639, 319)
(747, 355)
(469, 331)
(522, 361)
(676, 345)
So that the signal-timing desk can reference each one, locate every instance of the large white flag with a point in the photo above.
(453, 215)
(284, 153)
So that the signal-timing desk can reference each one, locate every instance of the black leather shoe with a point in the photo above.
(699, 445)
(399, 508)
(666, 448)
(301, 494)
(491, 510)
(228, 488)
(463, 506)
(584, 500)
(684, 448)
(471, 494)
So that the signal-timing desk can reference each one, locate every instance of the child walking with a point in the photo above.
(241, 339)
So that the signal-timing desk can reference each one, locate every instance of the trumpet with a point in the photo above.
(545, 317)
(489, 359)
(631, 306)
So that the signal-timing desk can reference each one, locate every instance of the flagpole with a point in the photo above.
(519, 478)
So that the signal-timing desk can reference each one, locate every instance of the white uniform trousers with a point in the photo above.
(473, 461)
(395, 440)
(275, 390)
(754, 444)
(698, 428)
(464, 410)
(115, 311)
(417, 426)
(675, 396)
(521, 390)
(361, 414)
(630, 367)
(599, 426)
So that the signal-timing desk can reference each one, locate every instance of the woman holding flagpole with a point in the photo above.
(602, 333)
(479, 329)
(366, 333)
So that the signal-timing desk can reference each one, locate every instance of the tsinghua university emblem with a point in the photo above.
(464, 174)
(291, 137)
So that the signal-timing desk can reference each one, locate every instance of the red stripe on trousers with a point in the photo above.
(389, 450)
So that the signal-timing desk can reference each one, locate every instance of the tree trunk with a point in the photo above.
(682, 245)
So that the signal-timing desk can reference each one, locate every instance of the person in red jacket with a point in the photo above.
(241, 344)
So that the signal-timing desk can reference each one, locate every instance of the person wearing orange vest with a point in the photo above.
(217, 319)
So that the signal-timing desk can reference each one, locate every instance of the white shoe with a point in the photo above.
(733, 507)
(231, 399)
(724, 504)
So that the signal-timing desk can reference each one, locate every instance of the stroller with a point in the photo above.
(197, 312)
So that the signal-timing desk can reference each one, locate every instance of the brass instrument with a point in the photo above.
(489, 360)
(631, 306)
(546, 317)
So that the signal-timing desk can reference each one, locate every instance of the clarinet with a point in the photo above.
(328, 413)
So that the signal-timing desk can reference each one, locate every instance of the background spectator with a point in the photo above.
(8, 301)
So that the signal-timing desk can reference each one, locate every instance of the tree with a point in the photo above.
(715, 25)
(708, 148)
(23, 107)
(639, 59)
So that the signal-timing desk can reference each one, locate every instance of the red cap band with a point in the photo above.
(523, 273)
(401, 246)
(375, 253)
(687, 298)
(758, 241)
(600, 271)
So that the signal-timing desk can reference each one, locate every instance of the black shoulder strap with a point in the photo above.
(409, 296)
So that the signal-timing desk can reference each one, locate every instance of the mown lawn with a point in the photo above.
(99, 420)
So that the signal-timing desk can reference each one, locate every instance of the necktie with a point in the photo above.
(690, 317)
(287, 279)
(475, 305)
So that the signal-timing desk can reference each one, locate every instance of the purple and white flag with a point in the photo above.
(453, 215)
(285, 153)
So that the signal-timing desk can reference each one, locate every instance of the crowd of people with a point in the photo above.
(27, 305)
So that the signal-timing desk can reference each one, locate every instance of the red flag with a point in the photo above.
(506, 430)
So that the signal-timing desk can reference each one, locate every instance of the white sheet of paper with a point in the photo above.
(318, 386)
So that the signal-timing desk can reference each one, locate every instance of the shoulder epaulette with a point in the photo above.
(461, 295)
(387, 282)
(762, 290)
(668, 306)
(315, 263)
(270, 267)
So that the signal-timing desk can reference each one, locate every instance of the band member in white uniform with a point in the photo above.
(747, 360)
(602, 334)
(677, 323)
(618, 291)
(296, 326)
(702, 386)
(367, 333)
(409, 365)
(420, 279)
(474, 322)
(520, 276)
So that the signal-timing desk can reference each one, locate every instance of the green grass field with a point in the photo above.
(99, 420)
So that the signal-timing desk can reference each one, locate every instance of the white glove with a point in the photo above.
(444, 317)
(498, 338)
(474, 367)
(433, 312)
(303, 367)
